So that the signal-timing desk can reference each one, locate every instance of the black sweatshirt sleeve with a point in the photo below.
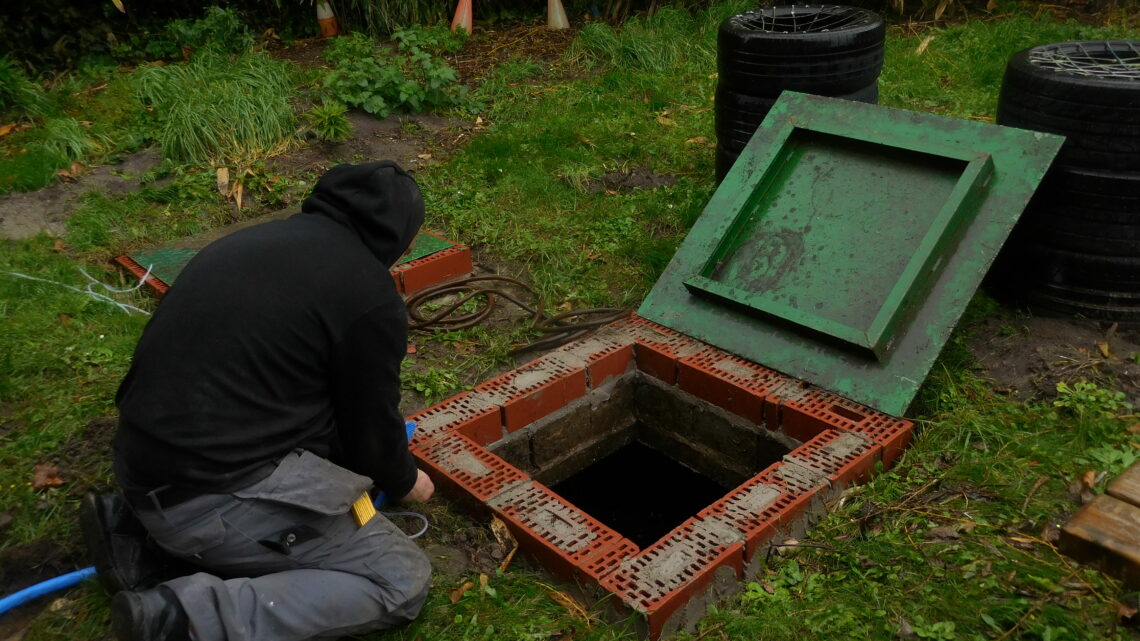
(366, 399)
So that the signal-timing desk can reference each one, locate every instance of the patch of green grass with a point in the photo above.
(957, 70)
(220, 108)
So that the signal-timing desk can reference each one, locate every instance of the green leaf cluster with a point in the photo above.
(383, 81)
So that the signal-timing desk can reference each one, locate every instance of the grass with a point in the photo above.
(953, 543)
(220, 108)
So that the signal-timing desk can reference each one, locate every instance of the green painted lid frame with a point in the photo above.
(856, 290)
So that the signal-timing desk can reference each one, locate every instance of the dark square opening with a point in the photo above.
(642, 456)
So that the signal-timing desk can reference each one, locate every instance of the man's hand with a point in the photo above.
(422, 490)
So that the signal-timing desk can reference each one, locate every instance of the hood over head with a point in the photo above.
(378, 200)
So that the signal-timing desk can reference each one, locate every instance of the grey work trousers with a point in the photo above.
(284, 560)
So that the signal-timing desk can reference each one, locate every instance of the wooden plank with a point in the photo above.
(1106, 534)
(1126, 487)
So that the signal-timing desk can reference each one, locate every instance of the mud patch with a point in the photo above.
(1027, 358)
(627, 181)
(24, 215)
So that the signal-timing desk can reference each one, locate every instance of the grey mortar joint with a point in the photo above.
(435, 422)
(465, 462)
(667, 569)
(558, 522)
(797, 475)
(757, 498)
(567, 359)
(510, 493)
(791, 391)
(718, 531)
(689, 350)
(478, 402)
(733, 368)
(848, 444)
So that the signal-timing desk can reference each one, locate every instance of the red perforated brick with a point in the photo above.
(663, 577)
(534, 390)
(564, 538)
(843, 457)
(605, 357)
(140, 272)
(658, 348)
(728, 381)
(480, 421)
(433, 269)
(458, 461)
(763, 504)
(816, 410)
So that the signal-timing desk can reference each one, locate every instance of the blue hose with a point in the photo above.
(47, 587)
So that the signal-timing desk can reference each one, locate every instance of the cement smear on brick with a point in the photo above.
(799, 476)
(733, 368)
(435, 422)
(849, 444)
(558, 523)
(466, 462)
(718, 531)
(757, 498)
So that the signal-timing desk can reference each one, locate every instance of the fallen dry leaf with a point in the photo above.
(45, 476)
(237, 192)
(941, 9)
(504, 537)
(768, 587)
(423, 156)
(943, 533)
(699, 140)
(6, 129)
(58, 246)
(991, 5)
(1082, 490)
(1102, 347)
(668, 122)
(923, 45)
(412, 348)
(458, 592)
(119, 5)
(72, 171)
(1134, 428)
(64, 320)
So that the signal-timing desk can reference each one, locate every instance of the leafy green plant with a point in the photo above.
(382, 81)
(220, 29)
(1086, 399)
(329, 122)
(218, 107)
(435, 384)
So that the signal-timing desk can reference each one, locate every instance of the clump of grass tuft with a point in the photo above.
(68, 138)
(329, 122)
(17, 92)
(215, 107)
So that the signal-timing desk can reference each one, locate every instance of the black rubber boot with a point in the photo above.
(118, 546)
(150, 615)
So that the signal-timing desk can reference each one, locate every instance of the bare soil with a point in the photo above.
(1028, 357)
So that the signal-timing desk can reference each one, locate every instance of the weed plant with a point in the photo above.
(18, 94)
(381, 81)
(218, 107)
(329, 121)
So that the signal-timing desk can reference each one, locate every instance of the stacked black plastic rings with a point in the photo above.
(827, 50)
(1076, 248)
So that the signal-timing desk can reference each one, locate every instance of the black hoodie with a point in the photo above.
(280, 336)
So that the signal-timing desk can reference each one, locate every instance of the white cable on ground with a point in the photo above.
(90, 291)
(418, 516)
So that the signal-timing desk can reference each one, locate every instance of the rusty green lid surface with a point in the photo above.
(847, 240)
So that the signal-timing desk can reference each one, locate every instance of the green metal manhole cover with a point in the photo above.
(167, 263)
(846, 241)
